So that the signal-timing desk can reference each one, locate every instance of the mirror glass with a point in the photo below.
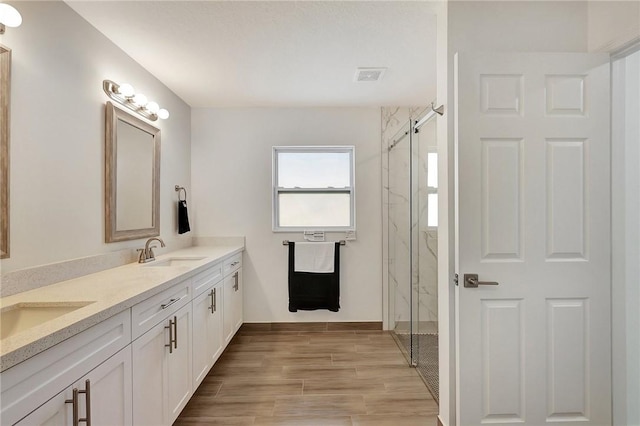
(132, 173)
(5, 89)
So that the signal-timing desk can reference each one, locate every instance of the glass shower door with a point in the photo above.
(402, 243)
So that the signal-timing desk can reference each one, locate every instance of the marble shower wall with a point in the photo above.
(427, 237)
(398, 222)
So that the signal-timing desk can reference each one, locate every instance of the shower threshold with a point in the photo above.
(427, 366)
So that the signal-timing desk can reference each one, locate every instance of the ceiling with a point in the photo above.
(282, 53)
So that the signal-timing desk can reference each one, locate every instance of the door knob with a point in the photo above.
(471, 281)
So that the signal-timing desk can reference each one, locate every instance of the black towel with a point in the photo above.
(309, 291)
(183, 217)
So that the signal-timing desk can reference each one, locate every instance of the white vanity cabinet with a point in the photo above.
(102, 398)
(138, 367)
(99, 354)
(162, 357)
(232, 295)
(207, 330)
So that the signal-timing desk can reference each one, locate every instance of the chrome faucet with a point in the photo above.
(146, 254)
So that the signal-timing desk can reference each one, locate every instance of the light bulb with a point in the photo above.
(9, 16)
(163, 114)
(126, 90)
(140, 99)
(153, 107)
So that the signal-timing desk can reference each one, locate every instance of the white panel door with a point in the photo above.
(534, 216)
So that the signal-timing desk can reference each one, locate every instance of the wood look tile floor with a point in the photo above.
(318, 378)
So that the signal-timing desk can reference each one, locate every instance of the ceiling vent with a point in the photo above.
(369, 74)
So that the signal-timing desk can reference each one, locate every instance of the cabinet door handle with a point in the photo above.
(170, 327)
(213, 302)
(175, 332)
(171, 302)
(87, 399)
(74, 404)
(235, 277)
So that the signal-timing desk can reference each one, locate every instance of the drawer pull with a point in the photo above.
(235, 263)
(171, 302)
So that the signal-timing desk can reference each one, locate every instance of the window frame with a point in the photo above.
(276, 191)
(433, 190)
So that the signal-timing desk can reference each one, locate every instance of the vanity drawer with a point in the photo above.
(205, 279)
(146, 314)
(232, 264)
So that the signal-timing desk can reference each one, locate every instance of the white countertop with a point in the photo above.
(112, 291)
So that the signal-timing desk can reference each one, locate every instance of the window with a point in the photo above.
(313, 188)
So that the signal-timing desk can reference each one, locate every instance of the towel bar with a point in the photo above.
(342, 242)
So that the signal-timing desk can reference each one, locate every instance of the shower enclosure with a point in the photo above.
(412, 242)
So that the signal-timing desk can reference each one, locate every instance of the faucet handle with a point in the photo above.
(141, 257)
(151, 255)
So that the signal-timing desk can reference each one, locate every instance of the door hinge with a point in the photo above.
(455, 279)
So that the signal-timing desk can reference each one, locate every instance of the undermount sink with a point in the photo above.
(175, 261)
(22, 316)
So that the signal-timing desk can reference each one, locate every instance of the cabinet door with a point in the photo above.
(179, 364)
(150, 381)
(238, 301)
(109, 395)
(233, 304)
(34, 381)
(110, 389)
(55, 412)
(216, 345)
(228, 292)
(207, 332)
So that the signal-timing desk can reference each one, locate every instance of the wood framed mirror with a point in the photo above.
(5, 92)
(132, 177)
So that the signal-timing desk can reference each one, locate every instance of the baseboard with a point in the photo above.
(312, 326)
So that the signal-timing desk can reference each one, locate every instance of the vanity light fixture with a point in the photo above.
(125, 95)
(9, 16)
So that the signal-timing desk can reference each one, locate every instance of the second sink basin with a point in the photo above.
(21, 316)
(175, 261)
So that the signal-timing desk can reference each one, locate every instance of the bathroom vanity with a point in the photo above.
(126, 346)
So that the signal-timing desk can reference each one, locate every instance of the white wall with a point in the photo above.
(518, 26)
(612, 24)
(626, 240)
(231, 179)
(57, 137)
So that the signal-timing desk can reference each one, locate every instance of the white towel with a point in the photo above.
(314, 257)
